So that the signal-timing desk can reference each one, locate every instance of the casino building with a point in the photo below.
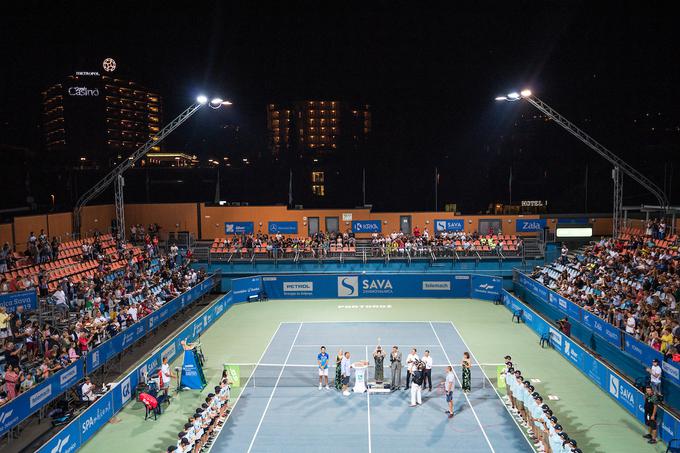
(97, 118)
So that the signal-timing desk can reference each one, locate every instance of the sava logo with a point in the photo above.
(63, 446)
(437, 286)
(614, 385)
(348, 286)
(378, 286)
(5, 417)
(40, 396)
(298, 287)
(441, 225)
(66, 376)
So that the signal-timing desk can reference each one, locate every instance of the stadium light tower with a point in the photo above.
(115, 176)
(620, 166)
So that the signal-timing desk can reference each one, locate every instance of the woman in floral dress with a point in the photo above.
(379, 357)
(338, 370)
(466, 365)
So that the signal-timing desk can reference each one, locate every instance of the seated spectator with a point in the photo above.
(87, 390)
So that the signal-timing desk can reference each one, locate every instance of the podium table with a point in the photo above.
(361, 369)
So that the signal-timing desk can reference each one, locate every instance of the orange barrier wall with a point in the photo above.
(23, 227)
(6, 234)
(60, 225)
(170, 217)
(96, 218)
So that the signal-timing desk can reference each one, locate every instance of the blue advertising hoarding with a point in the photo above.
(283, 228)
(243, 288)
(572, 221)
(602, 328)
(446, 225)
(239, 227)
(366, 226)
(366, 285)
(529, 225)
(27, 403)
(26, 299)
(485, 288)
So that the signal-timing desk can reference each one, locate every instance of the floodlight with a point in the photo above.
(202, 99)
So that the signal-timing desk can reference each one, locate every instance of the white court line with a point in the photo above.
(368, 399)
(238, 398)
(492, 386)
(464, 394)
(360, 345)
(250, 447)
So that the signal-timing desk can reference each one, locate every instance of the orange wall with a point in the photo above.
(23, 227)
(6, 234)
(167, 216)
(60, 225)
(96, 218)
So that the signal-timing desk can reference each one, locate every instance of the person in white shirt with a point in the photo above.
(630, 324)
(132, 311)
(87, 390)
(345, 369)
(448, 386)
(410, 362)
(427, 372)
(655, 376)
(166, 374)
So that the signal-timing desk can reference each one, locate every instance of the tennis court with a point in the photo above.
(280, 407)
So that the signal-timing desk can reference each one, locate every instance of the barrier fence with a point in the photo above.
(31, 401)
(629, 355)
(609, 381)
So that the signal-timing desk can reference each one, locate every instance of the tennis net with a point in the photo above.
(294, 375)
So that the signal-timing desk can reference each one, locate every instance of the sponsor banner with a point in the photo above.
(243, 288)
(529, 225)
(485, 288)
(366, 226)
(96, 416)
(239, 228)
(67, 441)
(446, 225)
(602, 328)
(369, 285)
(26, 299)
(27, 403)
(283, 228)
(564, 305)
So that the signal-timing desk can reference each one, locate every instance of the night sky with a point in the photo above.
(429, 74)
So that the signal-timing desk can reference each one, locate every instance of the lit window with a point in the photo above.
(317, 177)
(319, 190)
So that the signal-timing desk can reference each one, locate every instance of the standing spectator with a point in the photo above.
(565, 326)
(651, 405)
(448, 386)
(11, 381)
(346, 368)
(563, 253)
(411, 360)
(655, 376)
(467, 377)
(395, 365)
(427, 371)
(4, 257)
(416, 383)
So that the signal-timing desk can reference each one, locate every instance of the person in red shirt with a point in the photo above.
(416, 232)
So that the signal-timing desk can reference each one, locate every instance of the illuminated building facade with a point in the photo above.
(98, 118)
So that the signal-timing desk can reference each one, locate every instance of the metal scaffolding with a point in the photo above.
(115, 176)
(620, 166)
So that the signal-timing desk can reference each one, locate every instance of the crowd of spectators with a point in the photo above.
(318, 245)
(202, 427)
(632, 282)
(90, 311)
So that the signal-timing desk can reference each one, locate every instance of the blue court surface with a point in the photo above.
(282, 409)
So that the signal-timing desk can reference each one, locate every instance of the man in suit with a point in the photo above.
(395, 365)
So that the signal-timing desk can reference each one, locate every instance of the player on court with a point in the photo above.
(322, 360)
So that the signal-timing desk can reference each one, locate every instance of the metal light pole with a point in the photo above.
(620, 166)
(115, 176)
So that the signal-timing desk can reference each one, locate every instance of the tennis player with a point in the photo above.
(448, 386)
(322, 359)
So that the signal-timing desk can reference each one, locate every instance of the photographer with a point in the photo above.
(417, 382)
(565, 326)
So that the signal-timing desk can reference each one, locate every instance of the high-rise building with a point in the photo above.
(99, 118)
(317, 126)
(320, 140)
